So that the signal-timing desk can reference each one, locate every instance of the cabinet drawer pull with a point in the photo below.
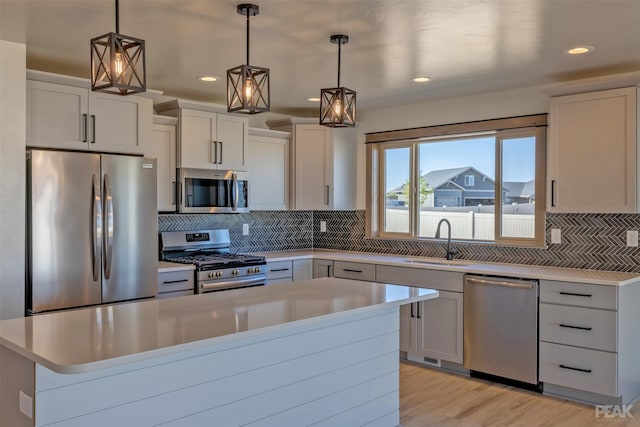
(582, 328)
(573, 294)
(553, 193)
(571, 368)
(175, 281)
(93, 128)
(352, 271)
(419, 316)
(412, 315)
(278, 269)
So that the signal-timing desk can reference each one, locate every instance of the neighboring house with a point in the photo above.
(520, 192)
(465, 186)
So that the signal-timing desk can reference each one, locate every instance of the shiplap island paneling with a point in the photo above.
(322, 352)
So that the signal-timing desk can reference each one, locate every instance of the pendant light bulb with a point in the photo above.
(248, 89)
(337, 108)
(118, 64)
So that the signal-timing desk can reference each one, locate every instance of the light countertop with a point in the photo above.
(596, 277)
(99, 337)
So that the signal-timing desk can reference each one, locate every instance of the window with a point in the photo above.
(485, 183)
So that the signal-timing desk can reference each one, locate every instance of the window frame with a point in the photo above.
(376, 192)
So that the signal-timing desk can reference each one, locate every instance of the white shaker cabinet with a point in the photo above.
(323, 165)
(322, 268)
(74, 118)
(268, 166)
(592, 157)
(430, 331)
(207, 139)
(163, 149)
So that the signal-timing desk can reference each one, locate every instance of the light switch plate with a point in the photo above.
(555, 236)
(25, 403)
(323, 226)
(245, 229)
(632, 238)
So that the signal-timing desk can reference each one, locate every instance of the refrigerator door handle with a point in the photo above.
(97, 228)
(108, 241)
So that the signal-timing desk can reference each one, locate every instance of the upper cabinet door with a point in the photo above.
(231, 137)
(198, 146)
(119, 124)
(268, 165)
(163, 149)
(592, 162)
(312, 167)
(73, 118)
(57, 116)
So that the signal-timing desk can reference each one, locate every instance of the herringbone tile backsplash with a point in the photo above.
(591, 241)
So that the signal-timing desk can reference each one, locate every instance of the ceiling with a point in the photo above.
(464, 46)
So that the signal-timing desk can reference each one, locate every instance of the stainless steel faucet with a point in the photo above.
(450, 251)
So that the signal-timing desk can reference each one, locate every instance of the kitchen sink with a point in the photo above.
(437, 262)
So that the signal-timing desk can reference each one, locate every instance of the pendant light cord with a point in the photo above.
(339, 55)
(248, 13)
(117, 18)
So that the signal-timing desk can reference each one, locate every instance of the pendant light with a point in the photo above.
(338, 104)
(118, 63)
(248, 88)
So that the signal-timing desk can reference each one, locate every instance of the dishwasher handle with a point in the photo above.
(503, 283)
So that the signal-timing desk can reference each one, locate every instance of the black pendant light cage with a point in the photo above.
(118, 63)
(248, 86)
(338, 104)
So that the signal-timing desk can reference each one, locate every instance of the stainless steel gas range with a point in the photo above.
(217, 269)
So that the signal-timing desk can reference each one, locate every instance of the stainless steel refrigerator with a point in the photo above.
(92, 229)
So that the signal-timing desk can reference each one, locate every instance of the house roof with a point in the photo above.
(438, 178)
(520, 189)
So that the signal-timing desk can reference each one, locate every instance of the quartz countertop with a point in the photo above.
(596, 277)
(166, 266)
(93, 338)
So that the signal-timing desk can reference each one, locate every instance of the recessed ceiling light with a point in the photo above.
(208, 78)
(579, 50)
(421, 79)
(313, 99)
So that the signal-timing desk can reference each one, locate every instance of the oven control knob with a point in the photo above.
(249, 270)
(258, 269)
(235, 272)
(210, 275)
(218, 273)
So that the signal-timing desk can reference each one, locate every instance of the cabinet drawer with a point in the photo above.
(422, 277)
(354, 270)
(171, 281)
(279, 269)
(580, 294)
(582, 327)
(588, 370)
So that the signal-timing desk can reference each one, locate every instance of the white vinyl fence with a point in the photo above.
(465, 225)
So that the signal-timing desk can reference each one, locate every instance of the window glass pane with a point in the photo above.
(519, 185)
(457, 182)
(396, 185)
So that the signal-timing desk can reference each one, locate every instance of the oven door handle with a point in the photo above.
(230, 284)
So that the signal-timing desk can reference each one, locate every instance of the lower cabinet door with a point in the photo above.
(579, 368)
(440, 327)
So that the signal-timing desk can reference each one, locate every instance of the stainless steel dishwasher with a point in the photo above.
(501, 329)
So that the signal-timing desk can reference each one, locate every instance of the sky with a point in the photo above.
(518, 159)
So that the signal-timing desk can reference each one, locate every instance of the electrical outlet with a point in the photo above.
(323, 226)
(245, 229)
(632, 238)
(25, 403)
(555, 236)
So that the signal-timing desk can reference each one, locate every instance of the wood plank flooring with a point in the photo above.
(430, 397)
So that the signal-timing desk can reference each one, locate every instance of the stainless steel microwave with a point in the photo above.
(212, 191)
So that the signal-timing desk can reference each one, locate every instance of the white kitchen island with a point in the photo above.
(321, 352)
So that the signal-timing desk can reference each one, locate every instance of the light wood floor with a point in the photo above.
(430, 397)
